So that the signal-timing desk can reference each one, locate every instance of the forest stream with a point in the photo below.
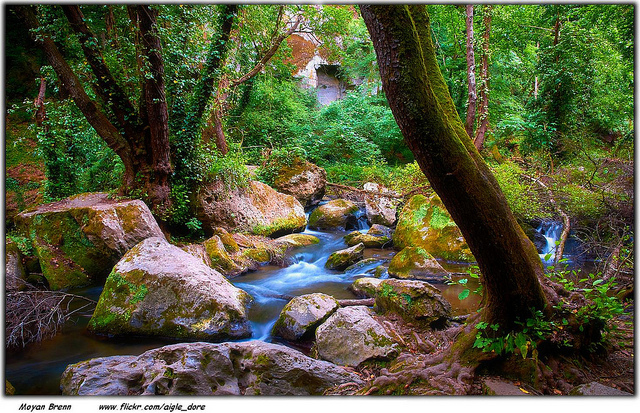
(37, 369)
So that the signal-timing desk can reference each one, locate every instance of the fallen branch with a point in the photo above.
(369, 302)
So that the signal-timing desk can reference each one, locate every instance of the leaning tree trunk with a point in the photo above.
(471, 74)
(421, 104)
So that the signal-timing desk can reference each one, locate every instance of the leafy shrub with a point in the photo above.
(521, 196)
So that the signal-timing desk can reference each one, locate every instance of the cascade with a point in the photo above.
(552, 231)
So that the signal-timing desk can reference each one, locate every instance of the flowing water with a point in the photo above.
(37, 369)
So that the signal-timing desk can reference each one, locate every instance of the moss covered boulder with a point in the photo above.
(79, 239)
(206, 369)
(352, 336)
(336, 214)
(302, 315)
(416, 263)
(302, 179)
(414, 301)
(342, 259)
(159, 290)
(254, 209)
(425, 223)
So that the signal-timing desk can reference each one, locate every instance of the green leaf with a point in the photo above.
(464, 294)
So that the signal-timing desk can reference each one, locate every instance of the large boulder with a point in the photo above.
(342, 259)
(416, 263)
(414, 301)
(157, 289)
(302, 179)
(380, 209)
(206, 369)
(425, 223)
(352, 336)
(79, 239)
(255, 209)
(298, 240)
(302, 315)
(336, 214)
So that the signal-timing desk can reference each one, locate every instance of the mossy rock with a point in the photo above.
(342, 259)
(254, 209)
(369, 241)
(229, 243)
(159, 290)
(336, 214)
(303, 180)
(79, 239)
(414, 301)
(415, 263)
(366, 287)
(298, 240)
(302, 315)
(425, 223)
(219, 257)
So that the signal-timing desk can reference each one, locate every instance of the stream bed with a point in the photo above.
(36, 370)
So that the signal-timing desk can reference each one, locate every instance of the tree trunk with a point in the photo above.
(471, 74)
(157, 135)
(484, 90)
(421, 104)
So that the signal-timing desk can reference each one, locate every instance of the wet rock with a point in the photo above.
(303, 314)
(206, 369)
(340, 260)
(366, 264)
(79, 239)
(255, 209)
(365, 287)
(596, 389)
(413, 301)
(416, 263)
(157, 289)
(302, 179)
(352, 336)
(14, 270)
(380, 209)
(338, 214)
(425, 223)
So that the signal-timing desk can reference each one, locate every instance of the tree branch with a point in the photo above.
(107, 88)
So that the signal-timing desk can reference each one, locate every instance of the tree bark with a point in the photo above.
(419, 99)
(484, 89)
(157, 137)
(471, 74)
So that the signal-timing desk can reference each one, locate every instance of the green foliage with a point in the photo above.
(520, 193)
(473, 272)
(279, 159)
(75, 157)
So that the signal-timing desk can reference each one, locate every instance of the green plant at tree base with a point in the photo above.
(474, 272)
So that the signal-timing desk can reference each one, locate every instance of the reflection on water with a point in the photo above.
(37, 369)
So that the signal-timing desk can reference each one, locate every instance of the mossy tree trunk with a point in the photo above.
(421, 104)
